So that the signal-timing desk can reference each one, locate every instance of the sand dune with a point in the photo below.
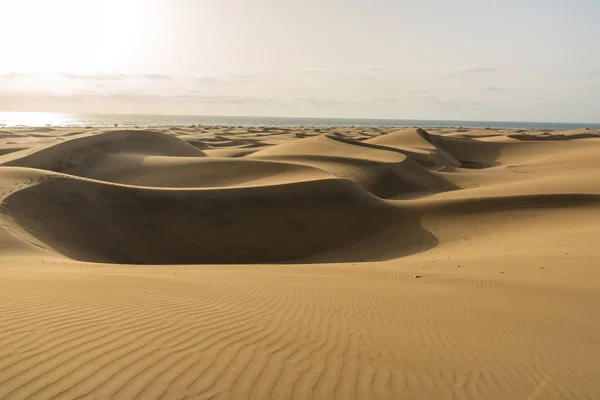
(95, 221)
(202, 172)
(419, 145)
(76, 156)
(382, 171)
(299, 262)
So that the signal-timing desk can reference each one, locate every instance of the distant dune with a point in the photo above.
(349, 263)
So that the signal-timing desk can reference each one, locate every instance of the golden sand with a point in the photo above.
(296, 263)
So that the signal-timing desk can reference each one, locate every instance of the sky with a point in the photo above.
(511, 60)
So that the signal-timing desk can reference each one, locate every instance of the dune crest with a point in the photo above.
(79, 155)
(383, 171)
(127, 225)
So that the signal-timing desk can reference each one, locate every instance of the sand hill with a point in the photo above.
(299, 262)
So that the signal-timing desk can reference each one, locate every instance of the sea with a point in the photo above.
(53, 119)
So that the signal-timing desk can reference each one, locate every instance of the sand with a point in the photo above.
(299, 262)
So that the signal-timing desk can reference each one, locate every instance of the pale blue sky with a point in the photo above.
(529, 60)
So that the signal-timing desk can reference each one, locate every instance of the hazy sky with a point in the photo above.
(526, 60)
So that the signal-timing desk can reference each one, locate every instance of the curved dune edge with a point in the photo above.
(429, 154)
(385, 172)
(99, 222)
(199, 172)
(150, 158)
(78, 155)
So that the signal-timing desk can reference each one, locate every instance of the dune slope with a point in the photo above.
(80, 155)
(100, 222)
(383, 171)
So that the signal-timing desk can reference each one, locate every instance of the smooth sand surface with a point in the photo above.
(299, 262)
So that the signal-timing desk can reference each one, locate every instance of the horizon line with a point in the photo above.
(303, 117)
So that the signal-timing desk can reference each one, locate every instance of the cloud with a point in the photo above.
(113, 77)
(501, 89)
(242, 78)
(22, 75)
(88, 92)
(370, 68)
(232, 100)
(385, 100)
(363, 72)
(13, 75)
(314, 71)
(139, 96)
(95, 77)
(320, 102)
(472, 69)
(495, 89)
(160, 77)
(324, 102)
(418, 91)
(229, 78)
(208, 80)
(456, 102)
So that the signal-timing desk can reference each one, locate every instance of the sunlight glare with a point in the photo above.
(16, 119)
(72, 36)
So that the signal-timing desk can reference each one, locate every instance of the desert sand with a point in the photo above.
(299, 263)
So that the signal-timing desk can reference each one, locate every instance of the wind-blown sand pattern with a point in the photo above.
(297, 263)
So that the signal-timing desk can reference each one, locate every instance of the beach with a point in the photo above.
(212, 262)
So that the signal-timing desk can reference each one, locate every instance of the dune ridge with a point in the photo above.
(299, 262)
(129, 225)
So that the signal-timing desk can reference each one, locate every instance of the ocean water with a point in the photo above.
(45, 119)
